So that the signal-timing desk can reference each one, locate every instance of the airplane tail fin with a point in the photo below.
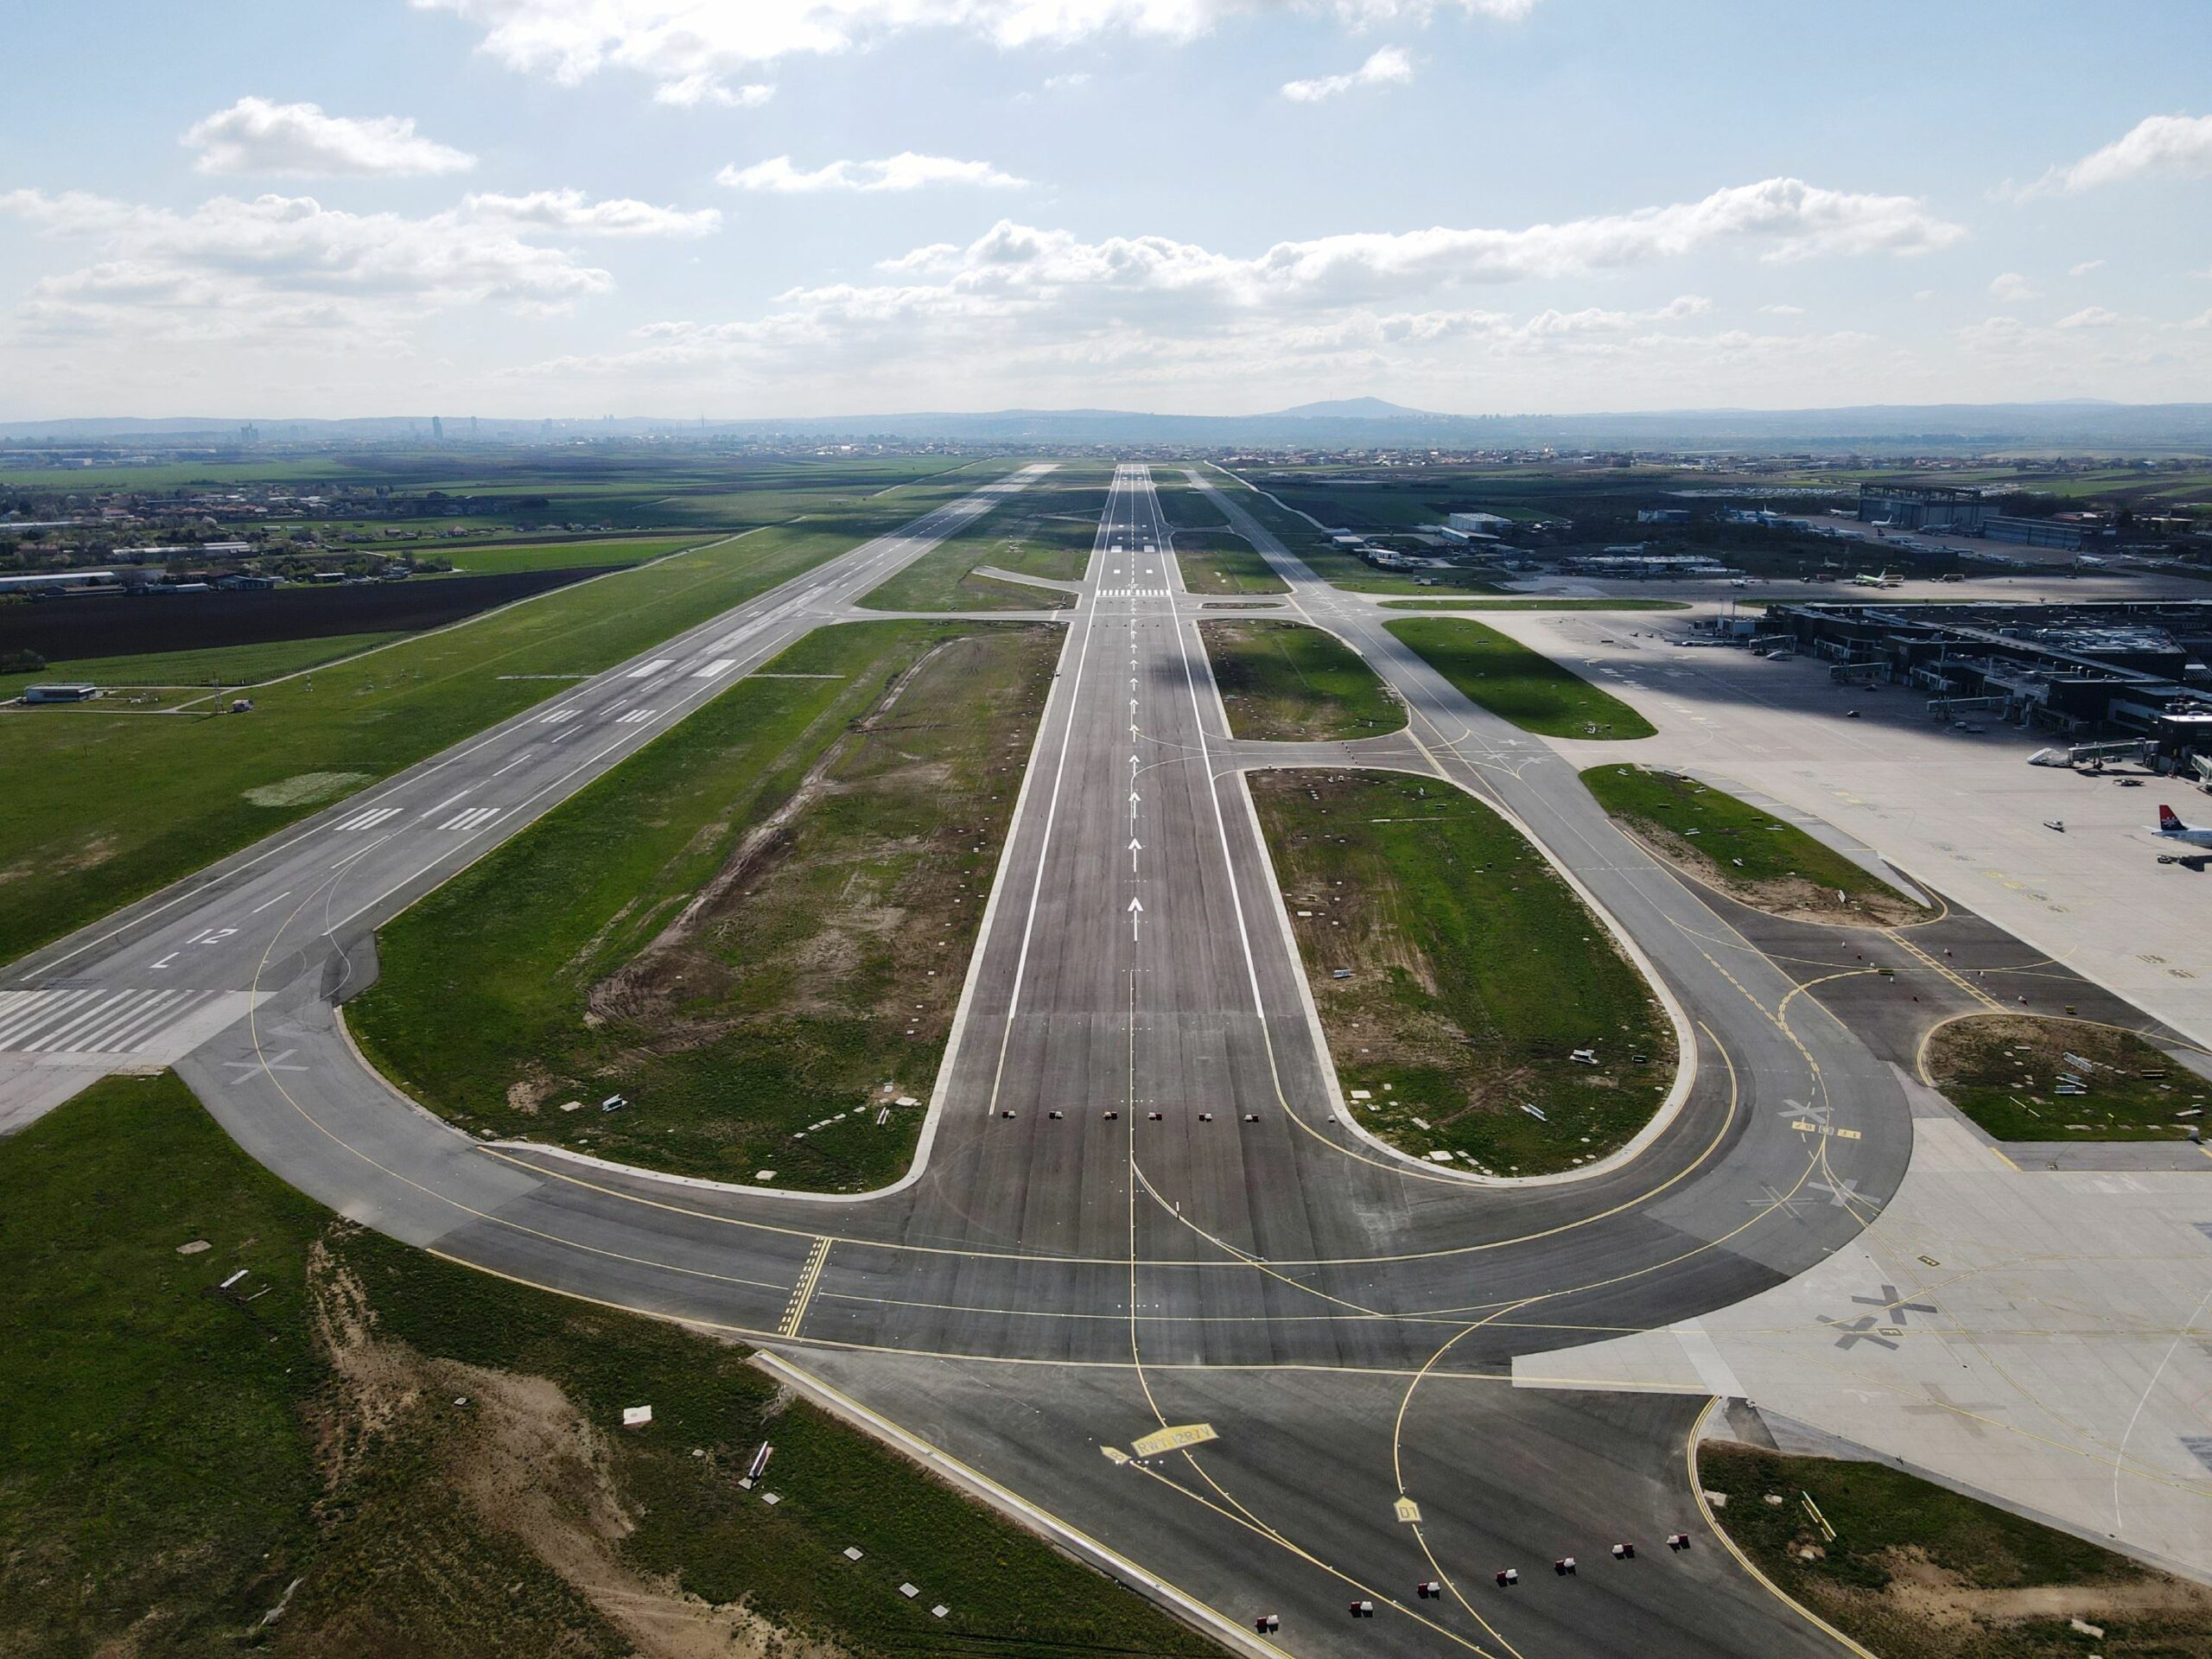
(2168, 822)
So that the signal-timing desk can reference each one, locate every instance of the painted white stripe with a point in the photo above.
(175, 1016)
(558, 715)
(46, 1008)
(471, 818)
(155, 1016)
(370, 818)
(98, 1034)
(57, 1036)
(16, 1006)
(636, 716)
(719, 665)
(647, 670)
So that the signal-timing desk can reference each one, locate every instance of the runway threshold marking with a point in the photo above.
(803, 1292)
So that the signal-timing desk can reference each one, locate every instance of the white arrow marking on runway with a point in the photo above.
(1133, 765)
(1136, 917)
(1135, 847)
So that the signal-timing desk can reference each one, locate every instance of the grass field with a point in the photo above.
(177, 1456)
(484, 561)
(1476, 972)
(1516, 684)
(1215, 561)
(2003, 1070)
(1750, 855)
(1184, 506)
(1047, 532)
(73, 848)
(1285, 680)
(224, 665)
(836, 846)
(1915, 1571)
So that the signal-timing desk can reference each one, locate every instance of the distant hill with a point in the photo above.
(1340, 424)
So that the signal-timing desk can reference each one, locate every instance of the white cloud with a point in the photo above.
(2010, 287)
(1783, 310)
(238, 270)
(2086, 267)
(1788, 218)
(2158, 146)
(701, 86)
(1069, 82)
(904, 171)
(299, 140)
(1057, 315)
(2089, 316)
(571, 211)
(1389, 67)
(670, 40)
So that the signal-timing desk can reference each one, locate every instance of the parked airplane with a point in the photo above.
(2171, 828)
(1882, 579)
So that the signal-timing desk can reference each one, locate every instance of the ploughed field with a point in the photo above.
(103, 625)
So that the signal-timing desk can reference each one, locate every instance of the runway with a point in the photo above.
(1137, 1208)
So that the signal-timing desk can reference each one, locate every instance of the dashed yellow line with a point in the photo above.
(803, 1292)
(1952, 975)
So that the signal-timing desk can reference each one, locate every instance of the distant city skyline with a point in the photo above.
(809, 208)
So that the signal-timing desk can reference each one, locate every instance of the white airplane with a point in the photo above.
(1865, 579)
(2172, 829)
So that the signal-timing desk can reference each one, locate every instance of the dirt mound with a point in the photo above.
(524, 1462)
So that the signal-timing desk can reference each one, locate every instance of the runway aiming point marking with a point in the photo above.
(1172, 1439)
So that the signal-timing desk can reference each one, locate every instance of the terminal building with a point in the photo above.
(2132, 668)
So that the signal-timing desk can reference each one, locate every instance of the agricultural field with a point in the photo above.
(1752, 856)
(72, 849)
(97, 624)
(1516, 684)
(2005, 1070)
(828, 843)
(1289, 682)
(412, 1457)
(1473, 976)
(1915, 1571)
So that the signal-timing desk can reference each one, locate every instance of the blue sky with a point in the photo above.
(844, 207)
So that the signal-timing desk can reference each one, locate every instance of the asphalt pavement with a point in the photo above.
(1138, 1208)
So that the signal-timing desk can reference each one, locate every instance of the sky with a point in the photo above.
(754, 208)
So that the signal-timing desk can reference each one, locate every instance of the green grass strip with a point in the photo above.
(1902, 1547)
(2005, 1070)
(830, 966)
(1474, 974)
(1516, 684)
(1290, 682)
(1737, 846)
